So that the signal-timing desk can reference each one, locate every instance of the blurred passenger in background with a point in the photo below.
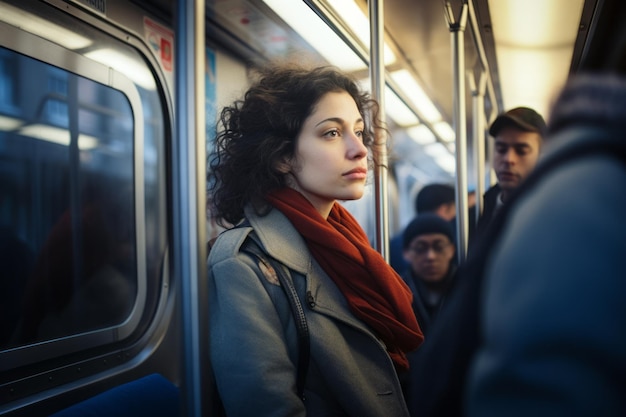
(429, 249)
(432, 198)
(554, 316)
(442, 366)
(518, 137)
(438, 199)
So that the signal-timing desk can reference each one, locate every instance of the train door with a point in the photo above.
(85, 130)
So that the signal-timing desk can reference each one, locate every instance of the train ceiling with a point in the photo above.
(581, 34)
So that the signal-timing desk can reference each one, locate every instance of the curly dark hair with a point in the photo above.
(259, 132)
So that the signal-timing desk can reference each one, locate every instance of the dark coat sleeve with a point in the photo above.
(555, 317)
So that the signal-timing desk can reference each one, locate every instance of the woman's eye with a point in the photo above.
(359, 133)
(332, 133)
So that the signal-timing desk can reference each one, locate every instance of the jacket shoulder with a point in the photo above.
(227, 244)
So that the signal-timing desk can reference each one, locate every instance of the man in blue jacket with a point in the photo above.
(554, 317)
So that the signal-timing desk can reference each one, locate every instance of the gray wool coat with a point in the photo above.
(253, 340)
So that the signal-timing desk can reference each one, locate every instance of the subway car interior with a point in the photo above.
(108, 107)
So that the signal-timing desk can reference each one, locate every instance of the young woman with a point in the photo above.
(287, 153)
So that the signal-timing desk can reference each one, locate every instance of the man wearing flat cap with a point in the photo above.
(518, 136)
(440, 371)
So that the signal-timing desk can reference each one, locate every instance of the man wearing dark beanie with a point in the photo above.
(441, 368)
(432, 198)
(428, 248)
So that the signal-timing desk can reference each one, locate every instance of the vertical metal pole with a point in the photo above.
(457, 29)
(475, 27)
(189, 150)
(377, 77)
(490, 177)
(478, 102)
(485, 182)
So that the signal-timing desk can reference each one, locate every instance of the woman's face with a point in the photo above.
(330, 160)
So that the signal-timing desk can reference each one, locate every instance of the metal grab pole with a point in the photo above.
(484, 183)
(478, 101)
(474, 25)
(457, 29)
(189, 149)
(377, 76)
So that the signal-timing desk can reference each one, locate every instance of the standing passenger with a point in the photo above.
(442, 365)
(294, 147)
(518, 136)
(431, 198)
(429, 249)
(554, 317)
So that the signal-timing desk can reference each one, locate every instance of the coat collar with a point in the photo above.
(282, 242)
(280, 239)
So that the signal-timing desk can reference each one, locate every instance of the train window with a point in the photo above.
(83, 222)
(71, 251)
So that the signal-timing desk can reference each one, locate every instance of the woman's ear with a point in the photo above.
(284, 166)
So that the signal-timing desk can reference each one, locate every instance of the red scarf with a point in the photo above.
(375, 292)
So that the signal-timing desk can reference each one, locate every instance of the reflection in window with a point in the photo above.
(7, 90)
(67, 229)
